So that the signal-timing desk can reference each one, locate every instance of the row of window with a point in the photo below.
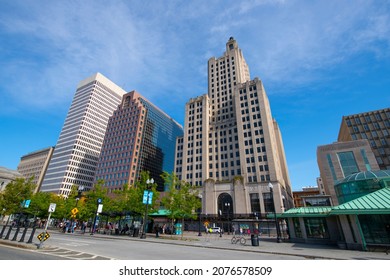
(375, 126)
(252, 169)
(367, 118)
(263, 178)
(110, 176)
(225, 173)
(375, 134)
(373, 143)
(118, 166)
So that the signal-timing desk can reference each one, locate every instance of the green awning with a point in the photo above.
(306, 212)
(161, 212)
(374, 203)
(272, 215)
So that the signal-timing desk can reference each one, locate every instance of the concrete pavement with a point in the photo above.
(267, 245)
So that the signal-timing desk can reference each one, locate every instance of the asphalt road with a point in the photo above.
(12, 253)
(134, 249)
(86, 247)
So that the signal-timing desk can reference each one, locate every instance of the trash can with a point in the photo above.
(255, 240)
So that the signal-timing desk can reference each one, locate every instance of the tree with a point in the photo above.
(15, 193)
(90, 201)
(39, 205)
(136, 193)
(181, 199)
(120, 200)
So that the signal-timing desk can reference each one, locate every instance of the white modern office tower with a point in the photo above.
(76, 154)
(232, 148)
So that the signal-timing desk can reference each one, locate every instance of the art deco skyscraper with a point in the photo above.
(78, 148)
(232, 147)
(139, 137)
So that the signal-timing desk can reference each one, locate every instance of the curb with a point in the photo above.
(18, 244)
(152, 239)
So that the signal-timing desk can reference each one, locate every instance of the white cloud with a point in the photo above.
(164, 46)
(303, 39)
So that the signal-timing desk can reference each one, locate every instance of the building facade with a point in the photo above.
(232, 147)
(373, 126)
(7, 176)
(77, 151)
(34, 165)
(300, 195)
(320, 185)
(341, 159)
(139, 137)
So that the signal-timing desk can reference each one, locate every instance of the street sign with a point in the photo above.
(43, 236)
(26, 203)
(74, 211)
(52, 207)
(147, 197)
(99, 200)
(100, 208)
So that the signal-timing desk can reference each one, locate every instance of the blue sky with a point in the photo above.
(318, 60)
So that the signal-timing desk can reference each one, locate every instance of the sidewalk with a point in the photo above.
(267, 245)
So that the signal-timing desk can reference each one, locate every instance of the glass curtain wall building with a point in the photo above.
(139, 137)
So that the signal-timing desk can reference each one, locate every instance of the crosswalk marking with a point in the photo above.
(70, 254)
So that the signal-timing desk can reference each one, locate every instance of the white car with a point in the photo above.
(215, 230)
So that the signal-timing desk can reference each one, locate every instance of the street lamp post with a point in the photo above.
(149, 183)
(276, 220)
(79, 192)
(199, 232)
(99, 208)
(227, 204)
(199, 213)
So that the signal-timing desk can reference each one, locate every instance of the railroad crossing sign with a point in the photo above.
(43, 236)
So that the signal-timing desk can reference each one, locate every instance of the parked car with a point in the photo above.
(215, 230)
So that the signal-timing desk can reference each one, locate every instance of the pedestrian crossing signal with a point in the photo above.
(43, 236)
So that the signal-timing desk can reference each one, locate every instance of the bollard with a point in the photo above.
(32, 234)
(23, 234)
(8, 233)
(16, 233)
(2, 231)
